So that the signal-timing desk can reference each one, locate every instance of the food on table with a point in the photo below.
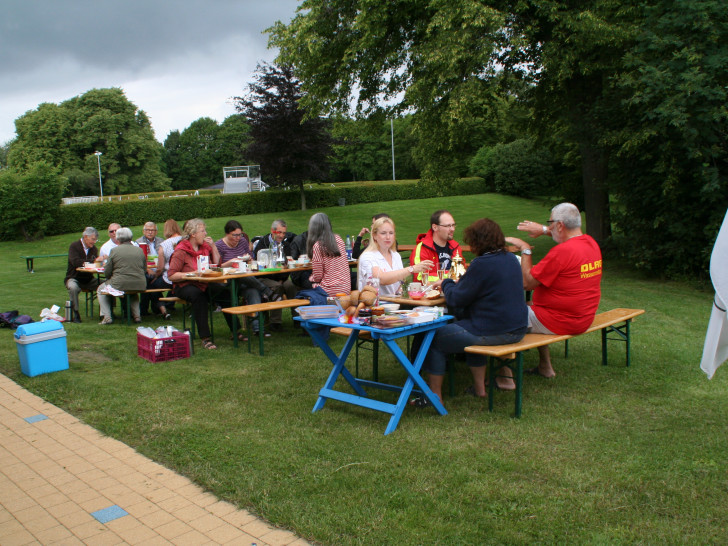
(432, 294)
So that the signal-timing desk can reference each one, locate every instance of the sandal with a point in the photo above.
(208, 344)
(420, 402)
(241, 337)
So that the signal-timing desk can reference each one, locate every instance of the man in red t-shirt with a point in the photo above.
(565, 283)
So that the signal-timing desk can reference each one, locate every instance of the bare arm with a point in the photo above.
(529, 282)
(534, 229)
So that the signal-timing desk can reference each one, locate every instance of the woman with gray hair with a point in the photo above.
(125, 271)
(328, 257)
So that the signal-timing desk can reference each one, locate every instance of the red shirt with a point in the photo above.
(570, 276)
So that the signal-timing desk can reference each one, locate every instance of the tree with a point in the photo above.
(671, 164)
(29, 200)
(290, 147)
(363, 149)
(450, 62)
(66, 135)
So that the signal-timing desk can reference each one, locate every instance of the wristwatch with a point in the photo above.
(544, 229)
(526, 251)
(411, 269)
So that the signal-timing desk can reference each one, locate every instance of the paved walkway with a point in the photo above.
(63, 482)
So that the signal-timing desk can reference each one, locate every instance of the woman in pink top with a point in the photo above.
(328, 257)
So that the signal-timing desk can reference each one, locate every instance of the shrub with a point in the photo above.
(517, 168)
(30, 201)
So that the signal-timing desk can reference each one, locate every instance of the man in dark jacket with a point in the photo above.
(280, 284)
(81, 251)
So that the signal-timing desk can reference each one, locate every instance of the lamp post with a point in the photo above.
(101, 187)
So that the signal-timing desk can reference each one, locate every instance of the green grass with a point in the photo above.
(601, 454)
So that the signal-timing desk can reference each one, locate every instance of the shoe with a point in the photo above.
(241, 337)
(106, 320)
(420, 402)
(208, 344)
(256, 333)
(76, 319)
(167, 316)
(271, 296)
(137, 320)
(275, 326)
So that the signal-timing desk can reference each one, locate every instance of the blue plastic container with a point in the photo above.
(42, 347)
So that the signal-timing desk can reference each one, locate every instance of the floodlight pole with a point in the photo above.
(101, 186)
(391, 127)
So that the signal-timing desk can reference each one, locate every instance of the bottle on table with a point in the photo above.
(348, 247)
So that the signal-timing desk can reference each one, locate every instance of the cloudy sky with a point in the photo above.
(178, 60)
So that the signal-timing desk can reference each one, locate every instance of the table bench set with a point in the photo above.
(614, 326)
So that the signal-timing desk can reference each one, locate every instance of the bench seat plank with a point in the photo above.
(615, 321)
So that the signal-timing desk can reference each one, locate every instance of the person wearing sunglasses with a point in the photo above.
(113, 242)
(438, 245)
(566, 283)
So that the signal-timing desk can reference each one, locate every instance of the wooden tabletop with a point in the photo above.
(414, 303)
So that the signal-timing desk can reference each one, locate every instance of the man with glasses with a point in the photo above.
(80, 251)
(280, 284)
(111, 243)
(153, 243)
(437, 245)
(566, 283)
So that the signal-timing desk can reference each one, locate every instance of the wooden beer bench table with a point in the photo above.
(29, 259)
(616, 321)
(250, 310)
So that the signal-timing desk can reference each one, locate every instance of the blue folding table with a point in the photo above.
(388, 336)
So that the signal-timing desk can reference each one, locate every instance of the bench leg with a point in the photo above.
(566, 349)
(622, 333)
(29, 265)
(494, 365)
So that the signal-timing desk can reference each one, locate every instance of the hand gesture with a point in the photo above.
(534, 229)
(363, 231)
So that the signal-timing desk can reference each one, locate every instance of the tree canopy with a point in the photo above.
(603, 86)
(290, 148)
(66, 135)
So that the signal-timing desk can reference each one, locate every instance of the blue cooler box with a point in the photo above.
(42, 347)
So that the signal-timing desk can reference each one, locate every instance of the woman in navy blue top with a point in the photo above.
(493, 308)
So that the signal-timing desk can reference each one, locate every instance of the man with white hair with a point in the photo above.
(153, 242)
(565, 283)
(111, 243)
(79, 252)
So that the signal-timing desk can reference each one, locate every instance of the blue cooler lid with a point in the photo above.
(37, 328)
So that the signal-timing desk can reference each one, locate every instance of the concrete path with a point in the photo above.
(63, 482)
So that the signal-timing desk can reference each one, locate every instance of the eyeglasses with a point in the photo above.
(149, 229)
(236, 235)
(278, 232)
(447, 226)
(552, 221)
(112, 231)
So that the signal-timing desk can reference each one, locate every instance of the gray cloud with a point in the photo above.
(179, 56)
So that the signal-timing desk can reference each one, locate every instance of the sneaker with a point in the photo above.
(257, 332)
(106, 320)
(420, 402)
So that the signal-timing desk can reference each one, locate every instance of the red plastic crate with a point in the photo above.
(163, 349)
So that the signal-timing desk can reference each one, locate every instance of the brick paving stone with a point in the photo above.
(56, 471)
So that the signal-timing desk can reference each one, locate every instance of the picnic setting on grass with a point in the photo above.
(486, 311)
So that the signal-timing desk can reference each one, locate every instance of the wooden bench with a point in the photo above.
(251, 310)
(616, 321)
(29, 259)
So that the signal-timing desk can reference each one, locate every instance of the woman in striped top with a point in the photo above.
(328, 257)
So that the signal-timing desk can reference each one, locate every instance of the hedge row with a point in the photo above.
(73, 218)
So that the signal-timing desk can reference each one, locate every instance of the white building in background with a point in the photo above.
(242, 179)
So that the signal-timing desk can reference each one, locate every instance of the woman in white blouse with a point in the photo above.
(380, 261)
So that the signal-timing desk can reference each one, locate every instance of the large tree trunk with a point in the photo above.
(594, 162)
(303, 196)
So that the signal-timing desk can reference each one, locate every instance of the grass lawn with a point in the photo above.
(601, 454)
